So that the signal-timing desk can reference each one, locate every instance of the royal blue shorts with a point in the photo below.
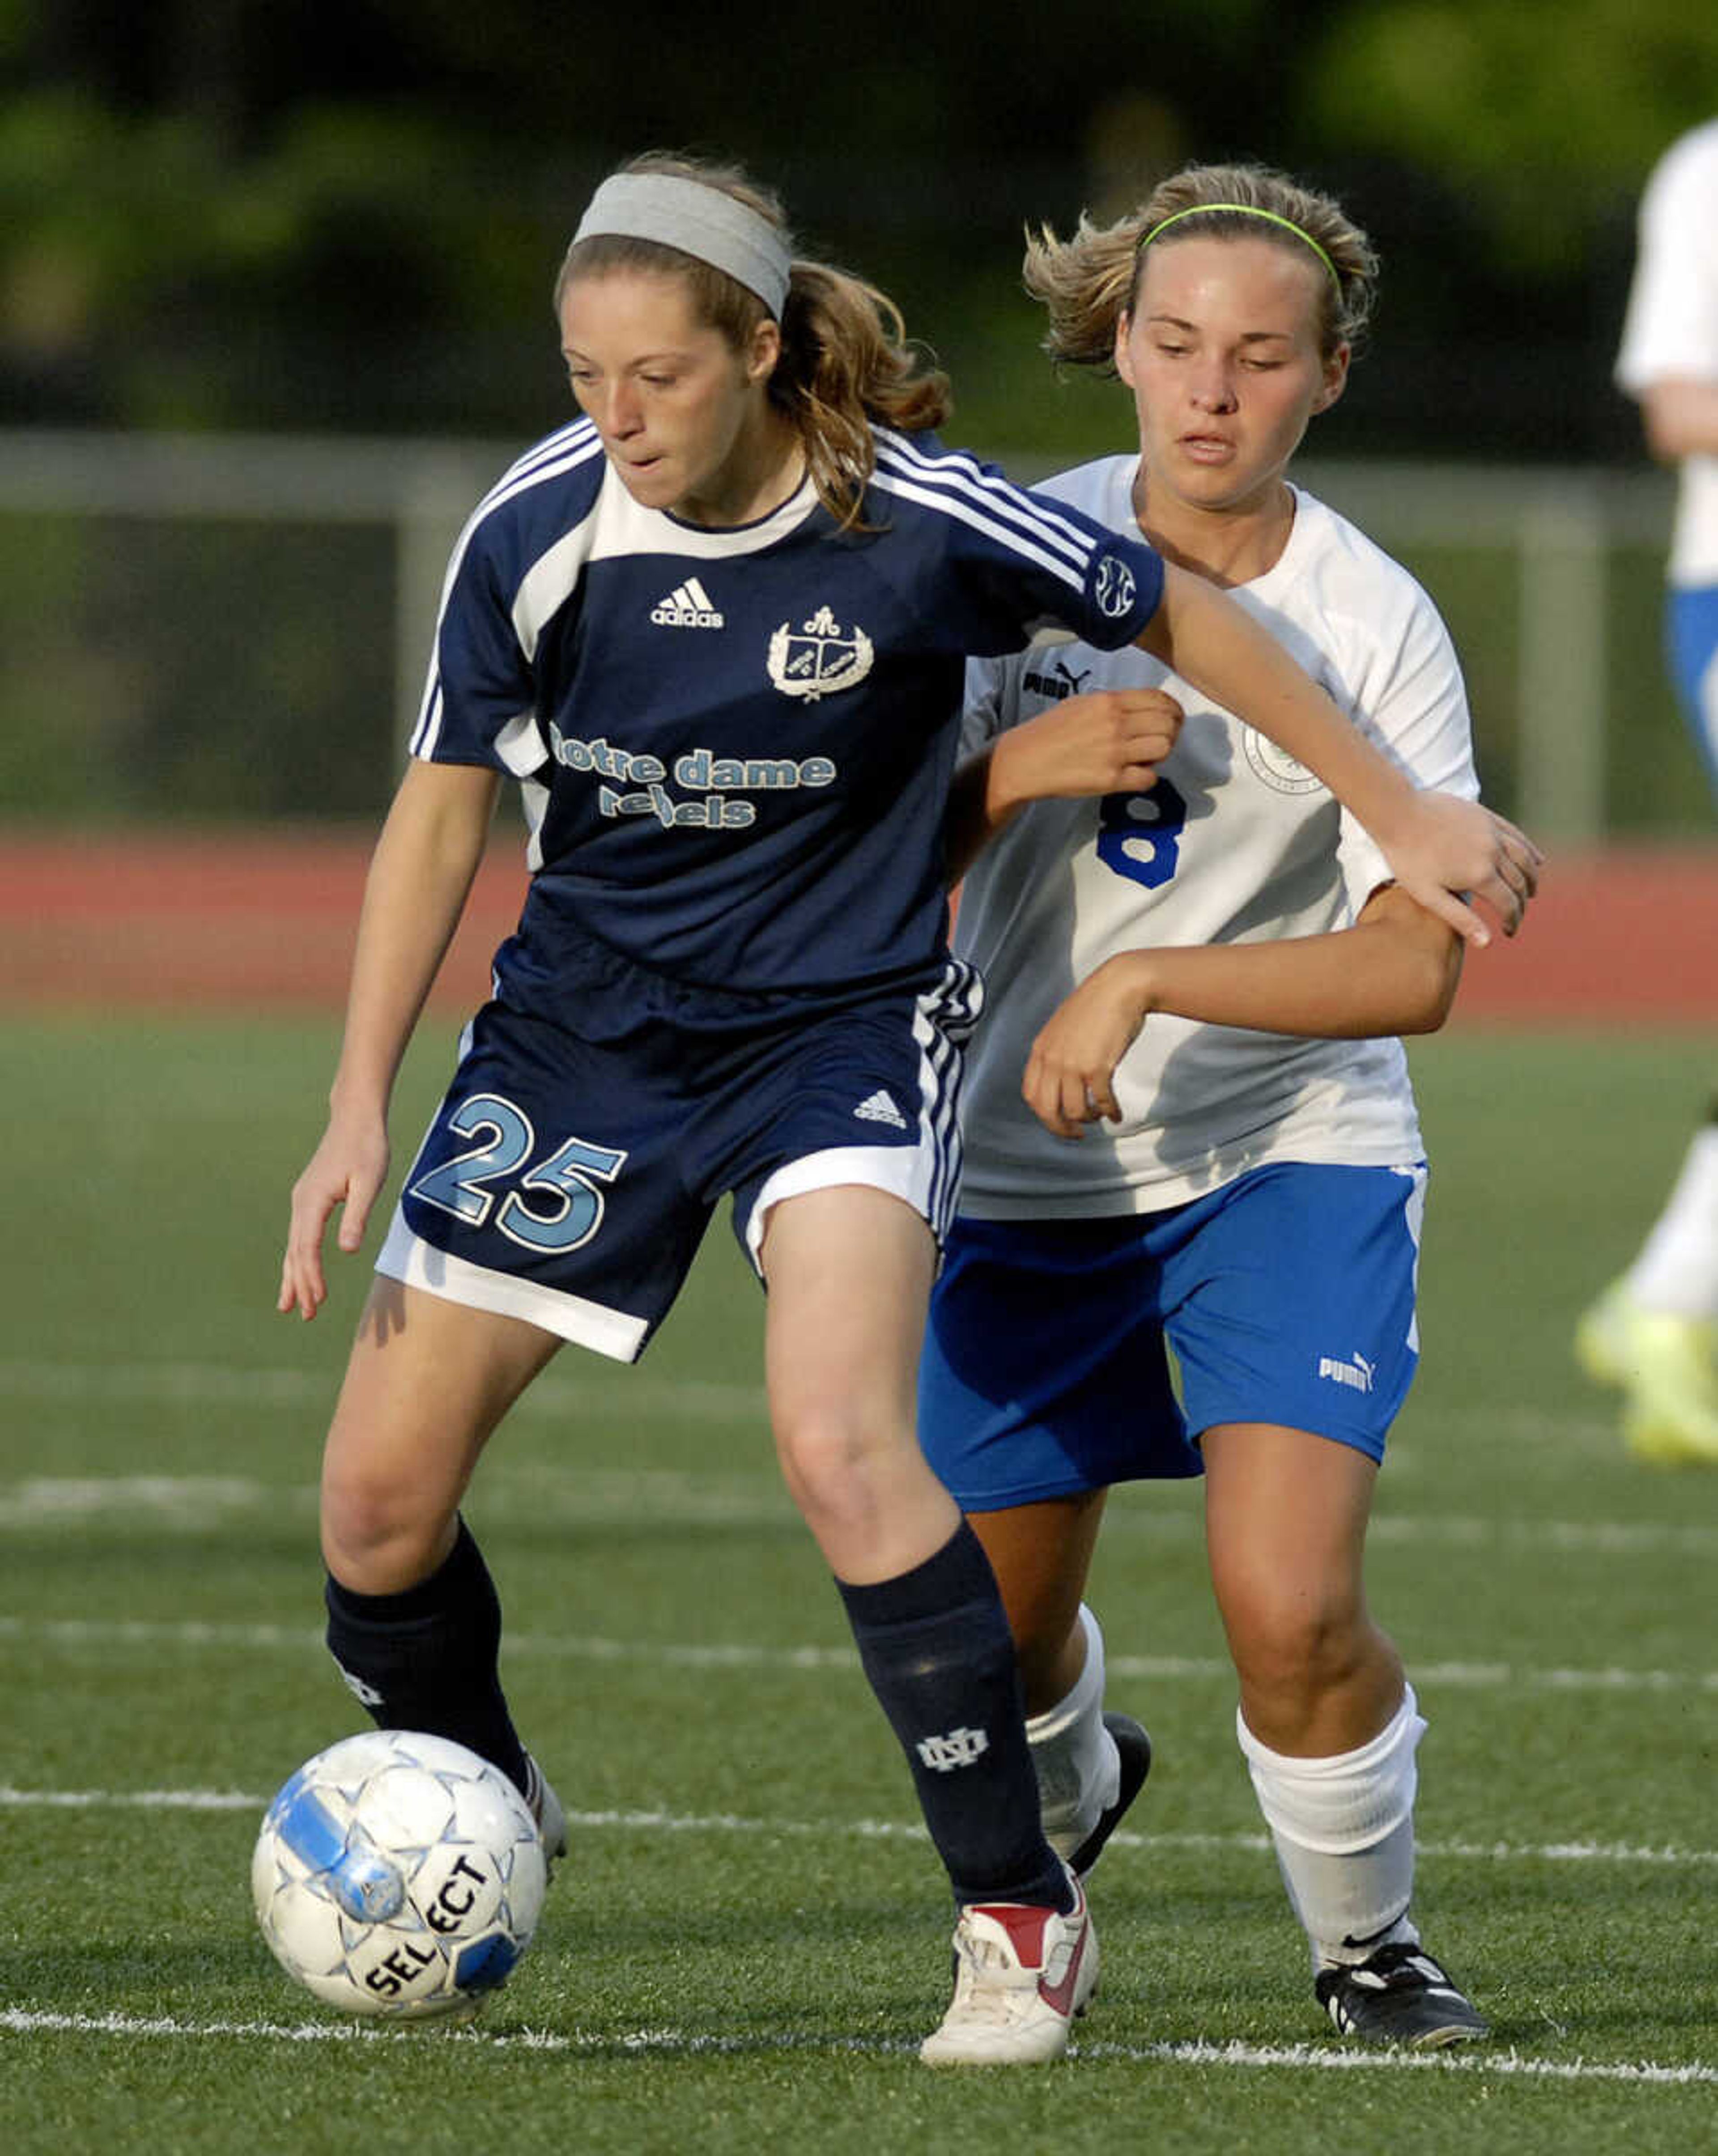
(1691, 622)
(568, 1176)
(1287, 1297)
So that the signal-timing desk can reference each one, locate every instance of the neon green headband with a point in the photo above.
(1246, 209)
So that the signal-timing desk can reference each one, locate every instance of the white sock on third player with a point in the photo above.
(1079, 1769)
(1344, 1831)
(1677, 1271)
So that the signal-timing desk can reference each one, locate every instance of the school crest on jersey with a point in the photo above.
(819, 658)
(1280, 770)
(1113, 586)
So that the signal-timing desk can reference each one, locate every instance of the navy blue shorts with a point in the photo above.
(1287, 1297)
(568, 1176)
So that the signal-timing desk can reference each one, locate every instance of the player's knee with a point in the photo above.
(377, 1538)
(823, 1452)
(838, 1462)
(1295, 1644)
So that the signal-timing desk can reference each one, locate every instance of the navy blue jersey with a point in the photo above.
(735, 745)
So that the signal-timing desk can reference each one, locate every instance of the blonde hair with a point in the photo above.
(1088, 283)
(846, 360)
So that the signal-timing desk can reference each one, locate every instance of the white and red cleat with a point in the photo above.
(1021, 1974)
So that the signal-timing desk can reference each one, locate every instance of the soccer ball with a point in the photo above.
(399, 1875)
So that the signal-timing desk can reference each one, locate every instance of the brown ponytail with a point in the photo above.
(846, 360)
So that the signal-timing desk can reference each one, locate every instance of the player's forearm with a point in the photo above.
(1681, 419)
(1109, 740)
(1378, 978)
(420, 877)
(990, 789)
(1214, 643)
(974, 815)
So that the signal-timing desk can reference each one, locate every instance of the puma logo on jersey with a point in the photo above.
(1062, 681)
(687, 605)
(880, 1109)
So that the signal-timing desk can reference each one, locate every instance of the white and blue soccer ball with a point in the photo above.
(399, 1875)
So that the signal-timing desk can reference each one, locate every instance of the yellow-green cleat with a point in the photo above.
(1667, 1368)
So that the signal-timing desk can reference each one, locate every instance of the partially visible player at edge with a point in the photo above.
(715, 630)
(1249, 1189)
(1654, 1330)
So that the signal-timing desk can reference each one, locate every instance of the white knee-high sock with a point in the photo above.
(1344, 1831)
(1677, 1270)
(1079, 1769)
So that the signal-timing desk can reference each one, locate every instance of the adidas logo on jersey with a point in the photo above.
(687, 605)
(880, 1109)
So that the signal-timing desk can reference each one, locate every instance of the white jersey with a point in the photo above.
(1671, 329)
(1238, 844)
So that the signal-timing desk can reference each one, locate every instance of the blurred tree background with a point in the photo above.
(341, 219)
(345, 214)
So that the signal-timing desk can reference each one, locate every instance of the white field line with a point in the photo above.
(590, 1496)
(593, 1392)
(733, 1822)
(75, 1632)
(679, 2043)
(292, 1386)
(593, 1494)
(215, 1384)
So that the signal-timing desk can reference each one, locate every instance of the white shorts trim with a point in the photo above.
(905, 1172)
(407, 1257)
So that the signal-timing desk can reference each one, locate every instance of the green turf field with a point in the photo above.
(748, 1942)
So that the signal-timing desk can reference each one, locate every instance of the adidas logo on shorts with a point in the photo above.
(880, 1109)
(687, 605)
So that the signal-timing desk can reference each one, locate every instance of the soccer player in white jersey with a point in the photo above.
(716, 629)
(1654, 1332)
(1188, 1120)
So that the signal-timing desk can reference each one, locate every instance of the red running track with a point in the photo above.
(264, 918)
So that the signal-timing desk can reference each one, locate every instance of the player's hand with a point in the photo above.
(1451, 851)
(1109, 740)
(1070, 1074)
(346, 1170)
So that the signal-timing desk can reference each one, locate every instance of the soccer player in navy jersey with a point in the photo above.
(715, 630)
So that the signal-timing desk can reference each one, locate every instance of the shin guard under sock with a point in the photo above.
(1344, 1831)
(1078, 1766)
(936, 1644)
(427, 1658)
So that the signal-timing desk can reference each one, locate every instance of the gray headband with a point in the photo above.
(700, 220)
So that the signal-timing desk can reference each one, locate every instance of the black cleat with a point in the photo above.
(1135, 1747)
(1399, 1995)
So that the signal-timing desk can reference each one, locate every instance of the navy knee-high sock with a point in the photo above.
(427, 1659)
(936, 1646)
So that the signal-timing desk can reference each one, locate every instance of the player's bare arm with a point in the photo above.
(1394, 972)
(421, 872)
(1109, 740)
(1680, 415)
(1437, 844)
